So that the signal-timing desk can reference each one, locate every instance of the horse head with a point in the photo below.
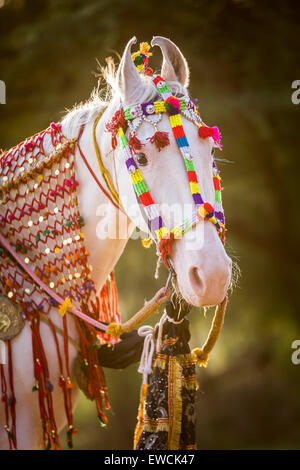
(202, 267)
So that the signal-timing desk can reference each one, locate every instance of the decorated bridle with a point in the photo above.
(132, 117)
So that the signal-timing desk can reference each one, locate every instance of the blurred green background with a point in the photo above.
(244, 56)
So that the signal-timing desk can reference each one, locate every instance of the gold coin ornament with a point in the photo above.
(11, 321)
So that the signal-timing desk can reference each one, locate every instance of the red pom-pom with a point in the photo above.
(206, 131)
(148, 71)
(134, 143)
(160, 139)
(208, 208)
(118, 120)
(173, 101)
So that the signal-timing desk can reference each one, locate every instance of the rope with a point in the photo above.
(95, 177)
(116, 330)
(104, 172)
(145, 367)
(147, 331)
(61, 332)
(159, 333)
(201, 355)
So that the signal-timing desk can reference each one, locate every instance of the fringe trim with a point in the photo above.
(190, 383)
(140, 418)
(185, 360)
(157, 427)
(175, 403)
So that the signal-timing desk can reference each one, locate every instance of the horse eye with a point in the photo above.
(141, 159)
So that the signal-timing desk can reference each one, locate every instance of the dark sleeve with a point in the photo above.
(121, 355)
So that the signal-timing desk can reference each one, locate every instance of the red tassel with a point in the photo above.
(118, 120)
(160, 139)
(134, 143)
(165, 248)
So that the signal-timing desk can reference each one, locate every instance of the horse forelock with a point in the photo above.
(108, 96)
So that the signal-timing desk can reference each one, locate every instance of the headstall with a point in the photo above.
(132, 117)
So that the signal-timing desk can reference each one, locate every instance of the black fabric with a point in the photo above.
(177, 308)
(157, 396)
(122, 354)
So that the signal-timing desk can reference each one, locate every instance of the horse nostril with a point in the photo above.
(197, 280)
(210, 283)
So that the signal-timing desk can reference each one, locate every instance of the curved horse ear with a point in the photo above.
(174, 66)
(128, 80)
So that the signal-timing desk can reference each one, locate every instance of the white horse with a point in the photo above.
(202, 266)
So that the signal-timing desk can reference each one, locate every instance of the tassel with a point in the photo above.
(114, 330)
(147, 242)
(160, 139)
(200, 356)
(165, 248)
(134, 143)
(65, 307)
(206, 131)
(118, 120)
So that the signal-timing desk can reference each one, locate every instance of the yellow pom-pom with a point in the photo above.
(200, 356)
(147, 242)
(145, 48)
(135, 54)
(65, 307)
(114, 330)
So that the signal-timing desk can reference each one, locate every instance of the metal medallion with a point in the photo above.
(11, 321)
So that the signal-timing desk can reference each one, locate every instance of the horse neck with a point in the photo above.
(106, 229)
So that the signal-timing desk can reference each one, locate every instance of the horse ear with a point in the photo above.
(128, 81)
(174, 66)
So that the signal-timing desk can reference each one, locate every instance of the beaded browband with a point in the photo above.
(151, 112)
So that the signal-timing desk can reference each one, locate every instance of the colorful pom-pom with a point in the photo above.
(65, 307)
(205, 211)
(56, 126)
(148, 71)
(206, 131)
(147, 242)
(172, 105)
(140, 58)
(173, 101)
(114, 330)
